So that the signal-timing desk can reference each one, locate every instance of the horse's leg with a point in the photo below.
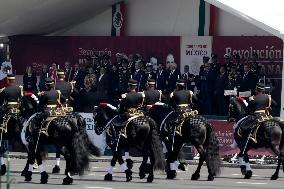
(196, 174)
(143, 167)
(25, 169)
(68, 179)
(202, 158)
(108, 176)
(129, 162)
(41, 167)
(3, 165)
(56, 168)
(280, 155)
(172, 158)
(31, 160)
(122, 164)
(248, 174)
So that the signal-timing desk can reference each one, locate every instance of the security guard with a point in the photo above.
(10, 96)
(152, 95)
(133, 100)
(66, 88)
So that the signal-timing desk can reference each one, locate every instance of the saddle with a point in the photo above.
(251, 124)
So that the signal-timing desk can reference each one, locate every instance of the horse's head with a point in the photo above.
(237, 109)
(29, 106)
(102, 115)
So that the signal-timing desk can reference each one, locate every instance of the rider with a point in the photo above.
(152, 95)
(66, 88)
(10, 96)
(259, 107)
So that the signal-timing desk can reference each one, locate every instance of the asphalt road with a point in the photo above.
(230, 178)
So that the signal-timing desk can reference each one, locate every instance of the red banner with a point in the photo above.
(38, 50)
(224, 133)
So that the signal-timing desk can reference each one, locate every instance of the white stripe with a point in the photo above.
(24, 129)
(207, 19)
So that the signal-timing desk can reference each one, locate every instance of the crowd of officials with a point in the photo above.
(100, 80)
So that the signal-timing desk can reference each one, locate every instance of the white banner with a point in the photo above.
(192, 51)
(97, 140)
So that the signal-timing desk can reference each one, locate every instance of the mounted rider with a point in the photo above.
(181, 103)
(66, 89)
(10, 97)
(152, 95)
(258, 109)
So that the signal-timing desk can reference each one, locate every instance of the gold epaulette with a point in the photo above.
(123, 95)
(142, 93)
(1, 90)
(40, 93)
(22, 90)
(171, 95)
(251, 98)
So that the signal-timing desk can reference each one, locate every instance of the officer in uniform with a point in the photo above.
(10, 96)
(259, 107)
(124, 75)
(150, 74)
(66, 88)
(133, 100)
(50, 99)
(152, 95)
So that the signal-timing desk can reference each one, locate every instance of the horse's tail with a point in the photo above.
(82, 148)
(94, 150)
(156, 146)
(212, 151)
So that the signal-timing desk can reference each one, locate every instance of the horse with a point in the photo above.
(193, 129)
(12, 125)
(68, 133)
(143, 135)
(268, 134)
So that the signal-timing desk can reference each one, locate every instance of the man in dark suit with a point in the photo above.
(174, 75)
(150, 74)
(248, 81)
(207, 83)
(102, 85)
(185, 76)
(68, 72)
(140, 76)
(220, 86)
(161, 78)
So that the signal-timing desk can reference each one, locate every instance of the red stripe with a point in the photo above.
(123, 11)
(212, 20)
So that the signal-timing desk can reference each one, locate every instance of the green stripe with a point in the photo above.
(113, 29)
(201, 18)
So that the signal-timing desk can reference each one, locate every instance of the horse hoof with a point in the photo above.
(150, 178)
(195, 176)
(28, 176)
(129, 163)
(3, 169)
(182, 166)
(67, 181)
(210, 178)
(243, 169)
(171, 174)
(142, 175)
(274, 177)
(108, 177)
(24, 172)
(44, 178)
(248, 175)
(56, 169)
(128, 173)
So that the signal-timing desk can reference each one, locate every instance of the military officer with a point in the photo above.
(124, 75)
(151, 94)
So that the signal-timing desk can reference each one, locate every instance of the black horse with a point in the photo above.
(268, 134)
(193, 129)
(143, 135)
(12, 125)
(67, 133)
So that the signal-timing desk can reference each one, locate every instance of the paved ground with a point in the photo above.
(230, 178)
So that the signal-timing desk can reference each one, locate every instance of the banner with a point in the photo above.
(225, 135)
(192, 51)
(97, 140)
(118, 19)
(38, 50)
